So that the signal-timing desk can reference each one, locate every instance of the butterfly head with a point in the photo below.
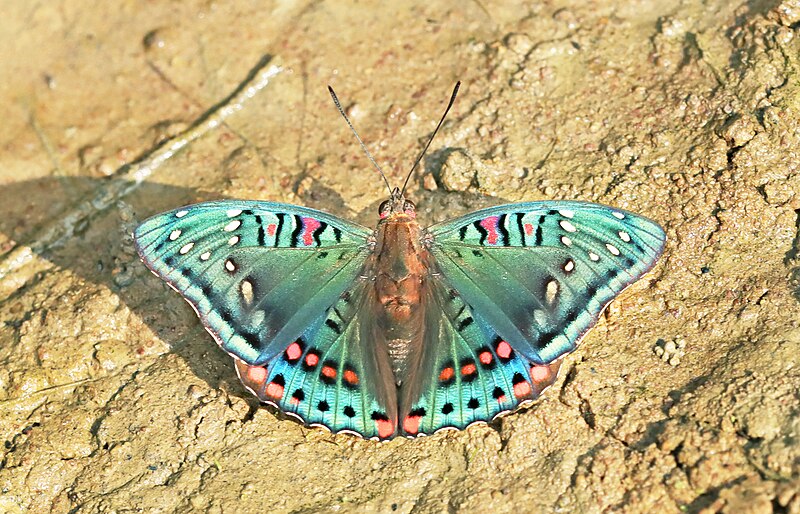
(397, 207)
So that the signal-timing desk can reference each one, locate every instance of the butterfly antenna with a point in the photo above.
(363, 146)
(419, 159)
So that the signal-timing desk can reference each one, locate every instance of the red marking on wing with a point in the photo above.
(411, 424)
(385, 428)
(312, 359)
(468, 369)
(446, 374)
(528, 229)
(522, 389)
(503, 350)
(490, 224)
(293, 352)
(328, 371)
(274, 390)
(501, 399)
(485, 358)
(295, 401)
(271, 228)
(540, 373)
(350, 377)
(309, 226)
(257, 374)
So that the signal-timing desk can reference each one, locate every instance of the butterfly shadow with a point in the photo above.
(100, 251)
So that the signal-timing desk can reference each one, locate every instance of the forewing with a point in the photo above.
(540, 274)
(258, 274)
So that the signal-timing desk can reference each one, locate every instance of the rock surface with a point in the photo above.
(114, 399)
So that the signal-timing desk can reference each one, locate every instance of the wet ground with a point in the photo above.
(683, 399)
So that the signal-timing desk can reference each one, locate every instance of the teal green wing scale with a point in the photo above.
(470, 375)
(257, 273)
(279, 287)
(331, 376)
(540, 274)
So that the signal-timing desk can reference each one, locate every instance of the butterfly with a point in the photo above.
(400, 330)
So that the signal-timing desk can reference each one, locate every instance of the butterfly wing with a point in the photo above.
(514, 288)
(268, 282)
(469, 374)
(541, 273)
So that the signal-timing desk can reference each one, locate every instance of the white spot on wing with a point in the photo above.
(234, 212)
(551, 291)
(618, 215)
(257, 317)
(540, 317)
(594, 256)
(232, 241)
(624, 236)
(567, 213)
(569, 266)
(175, 235)
(233, 225)
(205, 256)
(247, 291)
(185, 249)
(230, 266)
(566, 225)
(181, 214)
(613, 249)
(566, 241)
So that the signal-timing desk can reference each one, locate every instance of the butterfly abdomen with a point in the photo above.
(400, 271)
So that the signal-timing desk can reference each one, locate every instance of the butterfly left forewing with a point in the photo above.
(255, 272)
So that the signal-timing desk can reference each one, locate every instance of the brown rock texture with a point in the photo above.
(114, 399)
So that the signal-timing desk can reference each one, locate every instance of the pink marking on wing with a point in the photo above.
(275, 390)
(411, 425)
(293, 352)
(490, 224)
(312, 359)
(257, 374)
(540, 373)
(271, 228)
(385, 428)
(522, 389)
(309, 226)
(528, 229)
(485, 358)
(468, 369)
(503, 350)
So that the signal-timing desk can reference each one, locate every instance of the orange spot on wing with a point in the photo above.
(328, 371)
(528, 229)
(468, 369)
(411, 424)
(540, 373)
(312, 360)
(274, 390)
(446, 374)
(293, 352)
(350, 377)
(256, 374)
(503, 350)
(271, 228)
(522, 389)
(385, 428)
(485, 358)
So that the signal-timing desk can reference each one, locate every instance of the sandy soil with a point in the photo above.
(114, 399)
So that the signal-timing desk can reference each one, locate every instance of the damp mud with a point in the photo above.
(685, 396)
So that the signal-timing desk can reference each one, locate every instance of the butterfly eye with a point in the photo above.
(409, 208)
(384, 208)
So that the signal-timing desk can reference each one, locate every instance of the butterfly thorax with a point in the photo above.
(400, 271)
